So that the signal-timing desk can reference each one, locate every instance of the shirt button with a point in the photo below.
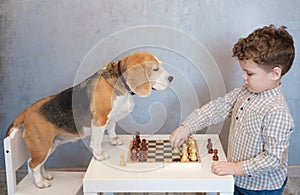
(248, 99)
(237, 118)
(241, 108)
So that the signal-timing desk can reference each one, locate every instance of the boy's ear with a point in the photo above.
(276, 73)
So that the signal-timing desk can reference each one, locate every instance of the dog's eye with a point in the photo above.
(156, 69)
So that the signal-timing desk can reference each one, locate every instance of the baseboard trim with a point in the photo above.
(294, 170)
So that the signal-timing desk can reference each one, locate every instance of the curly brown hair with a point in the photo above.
(269, 47)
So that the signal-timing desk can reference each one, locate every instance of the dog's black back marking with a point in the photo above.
(70, 109)
(58, 111)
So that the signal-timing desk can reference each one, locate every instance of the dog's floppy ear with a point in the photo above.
(137, 80)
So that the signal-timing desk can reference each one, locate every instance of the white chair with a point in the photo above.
(16, 155)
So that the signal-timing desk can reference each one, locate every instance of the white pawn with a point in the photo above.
(122, 161)
(184, 157)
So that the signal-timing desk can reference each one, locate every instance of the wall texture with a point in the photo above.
(47, 46)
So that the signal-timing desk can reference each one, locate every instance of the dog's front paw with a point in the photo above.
(48, 176)
(101, 156)
(43, 184)
(45, 174)
(116, 141)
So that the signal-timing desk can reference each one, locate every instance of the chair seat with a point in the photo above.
(66, 182)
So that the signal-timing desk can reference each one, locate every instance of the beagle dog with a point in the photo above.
(88, 109)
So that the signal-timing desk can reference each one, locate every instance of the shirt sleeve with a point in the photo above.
(276, 131)
(213, 112)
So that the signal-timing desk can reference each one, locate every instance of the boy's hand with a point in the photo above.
(179, 136)
(227, 168)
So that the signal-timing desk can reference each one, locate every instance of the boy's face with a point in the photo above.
(257, 79)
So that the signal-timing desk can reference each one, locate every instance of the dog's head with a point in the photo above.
(145, 72)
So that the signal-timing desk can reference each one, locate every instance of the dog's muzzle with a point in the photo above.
(170, 79)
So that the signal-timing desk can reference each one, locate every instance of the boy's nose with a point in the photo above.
(244, 76)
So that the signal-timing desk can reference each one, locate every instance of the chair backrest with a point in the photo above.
(16, 154)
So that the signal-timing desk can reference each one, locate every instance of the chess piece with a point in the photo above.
(215, 156)
(185, 148)
(135, 143)
(122, 161)
(193, 155)
(191, 145)
(191, 140)
(144, 145)
(133, 155)
(137, 137)
(209, 144)
(184, 157)
(143, 156)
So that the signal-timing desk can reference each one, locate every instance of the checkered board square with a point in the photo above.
(159, 151)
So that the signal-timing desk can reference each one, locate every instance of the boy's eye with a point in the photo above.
(156, 69)
(249, 73)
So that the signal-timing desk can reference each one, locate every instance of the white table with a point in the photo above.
(108, 176)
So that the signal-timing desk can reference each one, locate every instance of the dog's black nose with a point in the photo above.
(170, 79)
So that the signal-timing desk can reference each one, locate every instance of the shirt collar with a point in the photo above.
(271, 92)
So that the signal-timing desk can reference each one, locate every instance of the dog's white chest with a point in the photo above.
(122, 106)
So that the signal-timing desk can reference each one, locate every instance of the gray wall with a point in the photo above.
(47, 46)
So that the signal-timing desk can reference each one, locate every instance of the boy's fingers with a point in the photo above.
(178, 143)
(172, 139)
(175, 142)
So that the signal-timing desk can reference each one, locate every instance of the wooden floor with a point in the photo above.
(292, 188)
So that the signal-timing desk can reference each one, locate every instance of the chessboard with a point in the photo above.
(161, 151)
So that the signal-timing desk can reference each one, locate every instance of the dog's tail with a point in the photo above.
(19, 120)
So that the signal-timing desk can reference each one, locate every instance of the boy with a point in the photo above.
(261, 123)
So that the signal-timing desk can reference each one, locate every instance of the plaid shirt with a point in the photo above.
(260, 129)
